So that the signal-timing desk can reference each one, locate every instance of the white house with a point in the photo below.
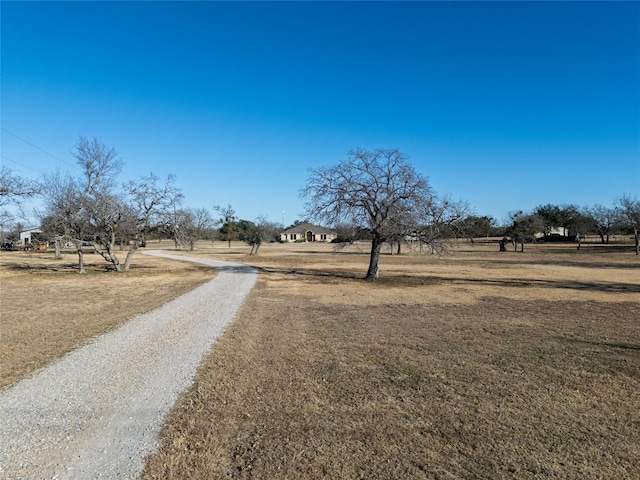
(307, 232)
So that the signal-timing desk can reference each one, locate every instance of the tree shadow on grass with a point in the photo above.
(422, 280)
(308, 273)
(561, 263)
(610, 287)
(616, 345)
(62, 268)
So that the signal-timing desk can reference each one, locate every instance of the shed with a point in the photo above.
(26, 237)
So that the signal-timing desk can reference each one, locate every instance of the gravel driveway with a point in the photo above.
(96, 412)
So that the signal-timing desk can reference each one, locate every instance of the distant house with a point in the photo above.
(307, 232)
(553, 232)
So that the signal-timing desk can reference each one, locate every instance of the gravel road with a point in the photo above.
(97, 412)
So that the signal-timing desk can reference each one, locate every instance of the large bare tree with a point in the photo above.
(78, 208)
(375, 189)
(98, 202)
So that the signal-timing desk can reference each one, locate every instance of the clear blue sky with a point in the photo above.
(507, 105)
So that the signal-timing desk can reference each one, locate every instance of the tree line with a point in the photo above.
(379, 192)
(377, 195)
(90, 208)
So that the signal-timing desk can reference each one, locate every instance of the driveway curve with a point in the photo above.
(97, 411)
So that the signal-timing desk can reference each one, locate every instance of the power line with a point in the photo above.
(21, 164)
(35, 146)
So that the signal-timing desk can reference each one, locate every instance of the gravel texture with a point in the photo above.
(97, 412)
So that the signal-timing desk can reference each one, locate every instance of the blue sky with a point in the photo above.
(505, 104)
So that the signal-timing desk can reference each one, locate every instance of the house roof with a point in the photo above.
(305, 227)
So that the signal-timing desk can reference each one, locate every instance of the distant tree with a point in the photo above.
(629, 210)
(227, 222)
(349, 232)
(401, 227)
(474, 227)
(523, 227)
(187, 226)
(441, 219)
(256, 233)
(603, 220)
(369, 188)
(554, 216)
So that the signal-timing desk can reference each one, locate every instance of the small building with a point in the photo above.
(307, 232)
(555, 232)
(28, 236)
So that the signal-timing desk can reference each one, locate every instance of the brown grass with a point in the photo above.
(475, 365)
(47, 308)
(478, 365)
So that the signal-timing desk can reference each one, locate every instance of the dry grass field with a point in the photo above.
(47, 308)
(478, 364)
(475, 365)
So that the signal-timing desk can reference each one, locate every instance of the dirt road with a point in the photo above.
(96, 412)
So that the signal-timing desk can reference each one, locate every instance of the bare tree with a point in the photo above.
(603, 219)
(151, 203)
(112, 220)
(14, 190)
(64, 217)
(629, 209)
(100, 165)
(369, 188)
(187, 226)
(440, 219)
(91, 206)
(98, 204)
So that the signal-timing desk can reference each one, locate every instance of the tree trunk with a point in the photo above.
(80, 260)
(129, 257)
(254, 248)
(636, 235)
(399, 251)
(56, 243)
(376, 245)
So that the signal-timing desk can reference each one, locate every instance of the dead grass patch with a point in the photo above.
(480, 365)
(47, 308)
